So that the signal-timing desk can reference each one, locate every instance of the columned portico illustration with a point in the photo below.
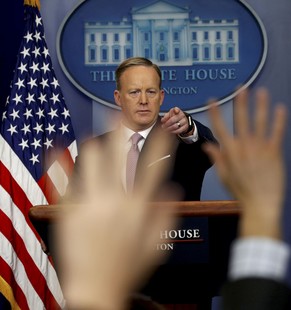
(164, 33)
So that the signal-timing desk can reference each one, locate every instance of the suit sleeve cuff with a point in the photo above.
(259, 257)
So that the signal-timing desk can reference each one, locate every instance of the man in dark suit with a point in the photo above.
(139, 94)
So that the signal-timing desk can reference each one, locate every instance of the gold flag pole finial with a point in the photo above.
(32, 3)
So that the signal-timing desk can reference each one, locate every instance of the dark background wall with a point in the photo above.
(86, 115)
(11, 27)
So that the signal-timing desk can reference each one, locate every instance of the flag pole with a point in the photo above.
(32, 3)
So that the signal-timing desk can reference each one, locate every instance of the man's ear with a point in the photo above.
(162, 96)
(117, 97)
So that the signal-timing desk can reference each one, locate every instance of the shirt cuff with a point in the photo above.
(191, 139)
(259, 257)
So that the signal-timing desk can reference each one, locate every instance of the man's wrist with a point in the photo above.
(191, 125)
(268, 225)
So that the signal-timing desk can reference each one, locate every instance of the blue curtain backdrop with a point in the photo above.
(276, 76)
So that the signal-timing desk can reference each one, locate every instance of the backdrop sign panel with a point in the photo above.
(205, 48)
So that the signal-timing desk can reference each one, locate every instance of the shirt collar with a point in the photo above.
(127, 132)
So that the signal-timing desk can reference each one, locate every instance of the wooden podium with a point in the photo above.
(212, 208)
(186, 281)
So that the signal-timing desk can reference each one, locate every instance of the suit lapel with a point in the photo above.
(154, 158)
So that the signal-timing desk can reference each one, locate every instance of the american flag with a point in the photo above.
(36, 137)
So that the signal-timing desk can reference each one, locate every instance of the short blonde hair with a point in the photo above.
(135, 61)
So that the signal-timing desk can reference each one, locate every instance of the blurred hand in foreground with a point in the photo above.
(107, 244)
(250, 163)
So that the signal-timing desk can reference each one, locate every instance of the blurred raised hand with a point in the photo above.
(250, 163)
(106, 243)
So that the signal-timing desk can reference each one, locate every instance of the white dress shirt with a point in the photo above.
(126, 135)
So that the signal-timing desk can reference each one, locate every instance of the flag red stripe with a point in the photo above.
(67, 162)
(47, 186)
(8, 276)
(20, 199)
(35, 276)
(50, 192)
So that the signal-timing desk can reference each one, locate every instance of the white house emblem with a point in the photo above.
(206, 49)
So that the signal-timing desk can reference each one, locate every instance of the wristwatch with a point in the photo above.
(190, 124)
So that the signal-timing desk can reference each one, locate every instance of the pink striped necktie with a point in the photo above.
(131, 162)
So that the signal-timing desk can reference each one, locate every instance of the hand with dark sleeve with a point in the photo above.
(251, 165)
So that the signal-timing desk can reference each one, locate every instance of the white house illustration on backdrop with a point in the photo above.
(164, 33)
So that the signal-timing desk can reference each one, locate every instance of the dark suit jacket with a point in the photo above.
(256, 294)
(188, 161)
